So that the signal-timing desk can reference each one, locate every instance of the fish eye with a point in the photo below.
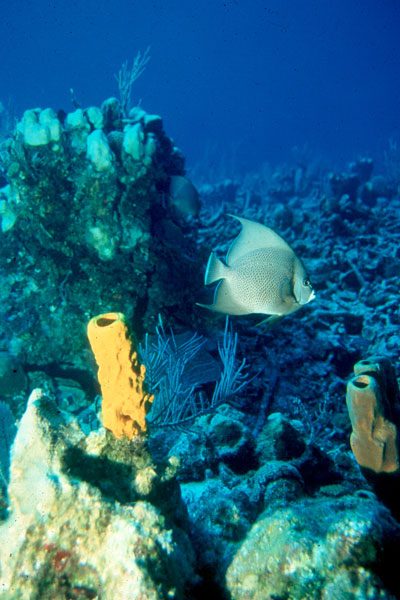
(306, 282)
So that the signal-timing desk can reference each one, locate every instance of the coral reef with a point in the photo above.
(89, 516)
(87, 229)
(323, 551)
(125, 402)
(259, 493)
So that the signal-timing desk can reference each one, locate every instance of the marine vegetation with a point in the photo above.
(178, 369)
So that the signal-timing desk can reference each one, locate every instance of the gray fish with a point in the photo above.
(262, 275)
(183, 197)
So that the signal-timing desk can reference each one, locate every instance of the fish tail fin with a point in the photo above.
(215, 270)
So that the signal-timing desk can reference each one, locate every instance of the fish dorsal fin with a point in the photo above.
(253, 236)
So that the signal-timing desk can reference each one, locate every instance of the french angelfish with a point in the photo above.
(261, 274)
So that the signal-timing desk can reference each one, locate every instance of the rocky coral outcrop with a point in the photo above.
(89, 517)
(315, 549)
(87, 228)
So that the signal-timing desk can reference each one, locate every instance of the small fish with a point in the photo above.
(183, 197)
(262, 275)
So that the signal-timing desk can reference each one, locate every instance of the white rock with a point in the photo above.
(48, 118)
(76, 120)
(133, 143)
(98, 150)
(95, 117)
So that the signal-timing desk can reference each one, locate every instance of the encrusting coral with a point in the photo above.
(77, 192)
(125, 401)
(89, 516)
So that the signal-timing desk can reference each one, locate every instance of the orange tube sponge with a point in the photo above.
(125, 402)
(373, 439)
(373, 404)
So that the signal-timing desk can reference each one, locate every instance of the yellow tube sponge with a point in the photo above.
(125, 402)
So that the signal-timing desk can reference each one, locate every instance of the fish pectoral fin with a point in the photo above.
(270, 321)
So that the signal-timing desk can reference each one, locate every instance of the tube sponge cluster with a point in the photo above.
(373, 402)
(125, 401)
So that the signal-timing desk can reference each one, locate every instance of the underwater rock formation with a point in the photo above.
(315, 549)
(87, 229)
(89, 517)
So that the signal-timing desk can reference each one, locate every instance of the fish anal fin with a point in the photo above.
(224, 301)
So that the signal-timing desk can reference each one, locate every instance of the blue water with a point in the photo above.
(248, 78)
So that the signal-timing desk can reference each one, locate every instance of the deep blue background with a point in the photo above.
(257, 77)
